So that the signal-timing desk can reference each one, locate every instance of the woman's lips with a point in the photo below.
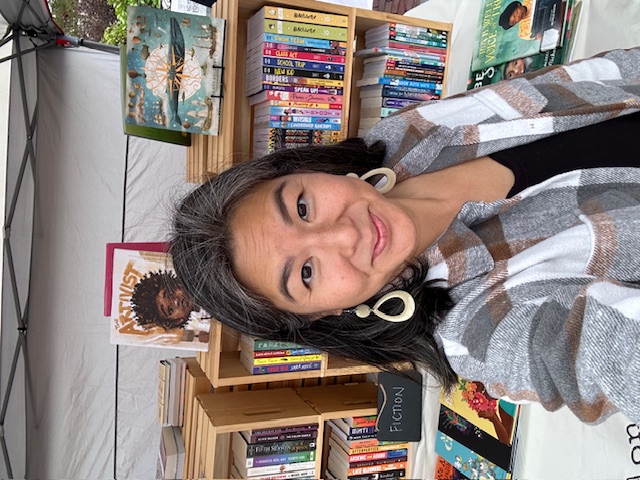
(381, 237)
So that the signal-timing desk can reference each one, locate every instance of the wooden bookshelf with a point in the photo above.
(209, 155)
(217, 416)
(222, 366)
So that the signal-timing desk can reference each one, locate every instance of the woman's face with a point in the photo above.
(315, 243)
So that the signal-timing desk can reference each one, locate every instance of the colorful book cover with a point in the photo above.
(514, 68)
(298, 29)
(174, 70)
(446, 471)
(508, 30)
(470, 400)
(129, 105)
(149, 306)
(465, 460)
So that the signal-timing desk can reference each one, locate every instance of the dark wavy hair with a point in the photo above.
(143, 300)
(202, 257)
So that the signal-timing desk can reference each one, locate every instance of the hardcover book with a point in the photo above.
(149, 306)
(515, 29)
(174, 70)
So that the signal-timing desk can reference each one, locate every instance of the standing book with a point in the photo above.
(508, 30)
(149, 305)
(174, 70)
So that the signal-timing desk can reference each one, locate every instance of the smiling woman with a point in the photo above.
(493, 238)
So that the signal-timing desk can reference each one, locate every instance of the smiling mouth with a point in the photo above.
(381, 237)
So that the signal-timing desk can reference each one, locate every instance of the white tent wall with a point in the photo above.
(82, 427)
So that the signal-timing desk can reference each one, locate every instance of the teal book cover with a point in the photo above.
(508, 30)
(174, 70)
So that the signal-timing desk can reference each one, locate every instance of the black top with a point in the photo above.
(614, 143)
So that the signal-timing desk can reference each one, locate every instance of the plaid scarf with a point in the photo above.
(545, 283)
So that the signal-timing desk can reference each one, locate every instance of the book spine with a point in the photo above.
(383, 461)
(298, 119)
(302, 64)
(301, 104)
(389, 474)
(417, 30)
(308, 97)
(291, 367)
(398, 102)
(439, 53)
(309, 473)
(267, 460)
(283, 436)
(306, 89)
(280, 448)
(368, 421)
(336, 51)
(399, 83)
(295, 53)
(365, 457)
(374, 52)
(312, 427)
(428, 40)
(415, 94)
(268, 38)
(378, 448)
(296, 72)
(362, 430)
(280, 27)
(419, 65)
(311, 126)
(271, 469)
(376, 468)
(297, 358)
(291, 80)
(305, 16)
(294, 351)
(412, 75)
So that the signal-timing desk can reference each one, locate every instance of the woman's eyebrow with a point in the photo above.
(284, 279)
(282, 208)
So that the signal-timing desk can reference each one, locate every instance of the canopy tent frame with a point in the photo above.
(32, 21)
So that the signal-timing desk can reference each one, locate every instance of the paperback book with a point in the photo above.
(149, 306)
(509, 29)
(174, 70)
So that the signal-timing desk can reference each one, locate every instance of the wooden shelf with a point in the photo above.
(209, 155)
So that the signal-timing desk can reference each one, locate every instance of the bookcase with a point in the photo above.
(217, 416)
(211, 154)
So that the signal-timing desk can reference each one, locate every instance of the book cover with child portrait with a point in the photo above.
(147, 303)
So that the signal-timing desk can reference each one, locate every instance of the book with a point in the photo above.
(513, 68)
(298, 29)
(277, 437)
(164, 375)
(334, 47)
(306, 99)
(281, 51)
(128, 106)
(171, 455)
(446, 471)
(304, 16)
(437, 87)
(471, 464)
(389, 91)
(174, 70)
(508, 30)
(149, 306)
(280, 430)
(296, 63)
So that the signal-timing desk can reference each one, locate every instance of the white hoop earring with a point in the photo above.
(389, 174)
(363, 311)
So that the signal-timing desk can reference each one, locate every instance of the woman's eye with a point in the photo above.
(303, 209)
(306, 274)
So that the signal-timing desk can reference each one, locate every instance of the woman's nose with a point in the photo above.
(340, 237)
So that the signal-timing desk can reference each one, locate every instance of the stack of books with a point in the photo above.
(171, 455)
(275, 453)
(267, 356)
(295, 77)
(403, 65)
(476, 432)
(543, 37)
(356, 454)
(171, 389)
